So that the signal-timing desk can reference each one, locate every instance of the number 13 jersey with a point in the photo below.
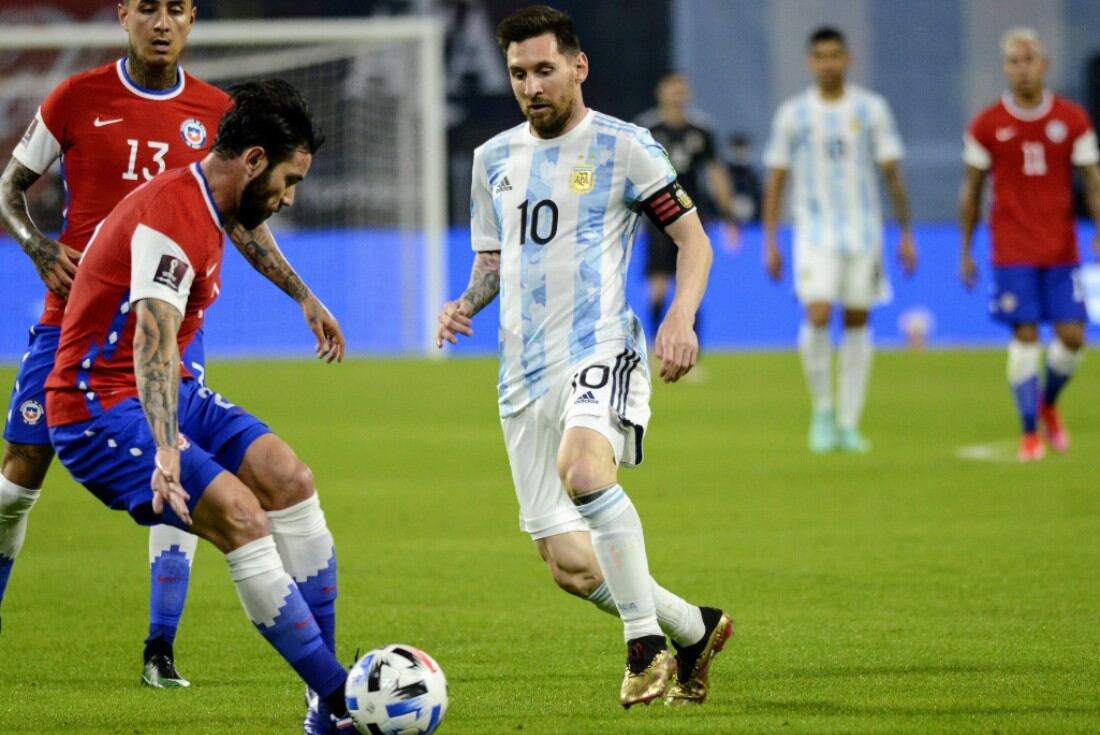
(563, 213)
(112, 136)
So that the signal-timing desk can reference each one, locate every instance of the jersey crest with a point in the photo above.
(193, 133)
(583, 179)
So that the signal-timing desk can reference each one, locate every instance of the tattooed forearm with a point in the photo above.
(15, 180)
(157, 367)
(484, 280)
(259, 248)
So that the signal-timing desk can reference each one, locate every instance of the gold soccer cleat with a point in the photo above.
(693, 662)
(649, 668)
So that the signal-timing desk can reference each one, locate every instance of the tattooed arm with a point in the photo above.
(455, 318)
(55, 263)
(259, 248)
(157, 370)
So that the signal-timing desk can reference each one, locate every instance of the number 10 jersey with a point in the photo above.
(563, 213)
(112, 136)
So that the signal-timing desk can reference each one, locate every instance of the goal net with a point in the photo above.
(367, 227)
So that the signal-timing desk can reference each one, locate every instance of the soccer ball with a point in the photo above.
(396, 690)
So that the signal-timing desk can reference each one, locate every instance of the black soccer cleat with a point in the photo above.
(159, 671)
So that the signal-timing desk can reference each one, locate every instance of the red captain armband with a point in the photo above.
(667, 205)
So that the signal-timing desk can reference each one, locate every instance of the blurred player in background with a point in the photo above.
(831, 140)
(1030, 141)
(689, 143)
(116, 127)
(141, 438)
(556, 202)
(744, 179)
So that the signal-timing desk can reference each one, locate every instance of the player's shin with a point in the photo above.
(306, 548)
(620, 549)
(679, 619)
(816, 352)
(1023, 376)
(15, 503)
(277, 609)
(171, 552)
(1062, 363)
(856, 354)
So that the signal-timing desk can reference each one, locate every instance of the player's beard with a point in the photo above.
(253, 210)
(551, 126)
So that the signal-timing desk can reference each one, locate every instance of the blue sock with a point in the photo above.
(169, 577)
(305, 545)
(1027, 402)
(1054, 383)
(280, 613)
(5, 573)
(319, 592)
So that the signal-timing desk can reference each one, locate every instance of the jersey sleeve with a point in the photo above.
(1085, 152)
(975, 147)
(647, 168)
(888, 146)
(485, 228)
(42, 144)
(159, 268)
(780, 146)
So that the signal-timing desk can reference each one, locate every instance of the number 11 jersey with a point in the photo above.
(563, 213)
(112, 136)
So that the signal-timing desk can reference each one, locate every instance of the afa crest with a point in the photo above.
(583, 179)
(193, 133)
(683, 198)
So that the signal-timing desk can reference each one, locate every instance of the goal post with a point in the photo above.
(376, 86)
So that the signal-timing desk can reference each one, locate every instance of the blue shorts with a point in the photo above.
(113, 455)
(26, 422)
(1027, 295)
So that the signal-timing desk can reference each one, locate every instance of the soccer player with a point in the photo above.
(1030, 141)
(167, 450)
(116, 127)
(690, 146)
(556, 204)
(831, 139)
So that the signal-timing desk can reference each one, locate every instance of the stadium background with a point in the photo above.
(743, 57)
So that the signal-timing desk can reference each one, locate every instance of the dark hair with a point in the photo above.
(269, 113)
(536, 20)
(826, 33)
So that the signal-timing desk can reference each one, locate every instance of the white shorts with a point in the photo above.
(609, 395)
(855, 280)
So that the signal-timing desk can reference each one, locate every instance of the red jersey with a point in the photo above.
(1030, 154)
(112, 136)
(163, 242)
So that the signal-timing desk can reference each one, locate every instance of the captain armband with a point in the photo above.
(667, 205)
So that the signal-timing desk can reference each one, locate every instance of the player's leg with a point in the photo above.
(1016, 302)
(27, 451)
(856, 354)
(1064, 305)
(171, 552)
(817, 284)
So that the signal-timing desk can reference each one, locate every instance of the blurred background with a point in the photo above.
(362, 231)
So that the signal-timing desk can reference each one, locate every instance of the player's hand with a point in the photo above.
(968, 271)
(330, 339)
(166, 484)
(456, 318)
(676, 346)
(907, 253)
(773, 261)
(56, 265)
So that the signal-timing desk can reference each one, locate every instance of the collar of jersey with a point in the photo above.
(816, 96)
(584, 123)
(1028, 114)
(150, 94)
(207, 195)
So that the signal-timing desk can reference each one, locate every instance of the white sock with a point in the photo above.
(620, 549)
(308, 553)
(1023, 361)
(163, 537)
(679, 619)
(816, 350)
(856, 352)
(16, 502)
(262, 582)
(1062, 359)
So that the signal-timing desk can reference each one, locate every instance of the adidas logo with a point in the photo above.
(504, 185)
(586, 398)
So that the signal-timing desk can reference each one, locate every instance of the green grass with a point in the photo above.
(902, 591)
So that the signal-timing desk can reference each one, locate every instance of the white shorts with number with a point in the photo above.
(855, 280)
(609, 395)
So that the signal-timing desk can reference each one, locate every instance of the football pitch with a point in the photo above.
(931, 586)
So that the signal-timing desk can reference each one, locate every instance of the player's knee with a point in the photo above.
(27, 464)
(243, 520)
(287, 481)
(1073, 338)
(582, 475)
(298, 483)
(855, 319)
(1026, 333)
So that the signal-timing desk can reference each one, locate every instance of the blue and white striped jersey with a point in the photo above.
(833, 149)
(563, 212)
